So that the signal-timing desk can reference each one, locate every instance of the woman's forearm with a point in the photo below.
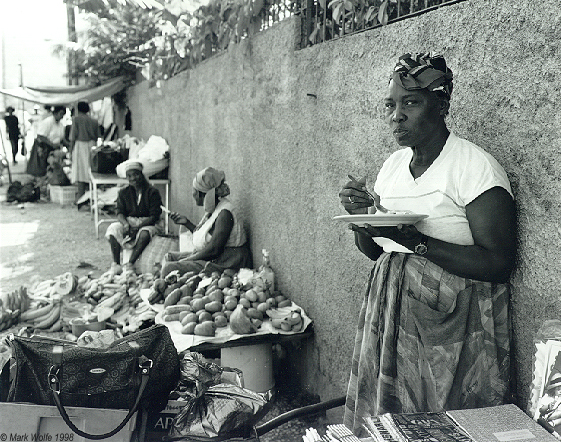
(473, 262)
(189, 225)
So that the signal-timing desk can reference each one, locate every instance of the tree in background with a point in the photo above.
(116, 43)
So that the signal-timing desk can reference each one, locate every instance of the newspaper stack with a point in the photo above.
(418, 427)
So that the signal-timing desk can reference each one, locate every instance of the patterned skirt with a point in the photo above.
(428, 340)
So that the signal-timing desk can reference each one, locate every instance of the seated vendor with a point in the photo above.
(219, 239)
(138, 215)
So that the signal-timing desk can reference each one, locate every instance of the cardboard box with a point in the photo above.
(63, 195)
(42, 423)
(159, 424)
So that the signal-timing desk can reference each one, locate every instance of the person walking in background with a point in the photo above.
(12, 128)
(84, 134)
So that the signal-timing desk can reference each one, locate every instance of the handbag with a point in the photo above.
(105, 159)
(140, 369)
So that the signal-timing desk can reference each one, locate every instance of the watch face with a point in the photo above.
(421, 249)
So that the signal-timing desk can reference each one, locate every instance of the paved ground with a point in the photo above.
(42, 240)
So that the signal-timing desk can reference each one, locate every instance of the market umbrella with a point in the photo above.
(66, 95)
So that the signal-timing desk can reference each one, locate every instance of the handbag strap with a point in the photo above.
(145, 365)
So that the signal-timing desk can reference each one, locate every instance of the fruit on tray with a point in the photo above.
(217, 296)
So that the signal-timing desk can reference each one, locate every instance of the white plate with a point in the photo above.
(383, 219)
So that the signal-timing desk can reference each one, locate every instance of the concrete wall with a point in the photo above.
(288, 126)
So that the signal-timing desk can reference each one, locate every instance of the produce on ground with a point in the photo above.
(201, 302)
(241, 300)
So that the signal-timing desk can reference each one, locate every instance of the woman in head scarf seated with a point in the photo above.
(138, 215)
(219, 240)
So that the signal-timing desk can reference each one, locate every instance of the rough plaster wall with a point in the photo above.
(287, 126)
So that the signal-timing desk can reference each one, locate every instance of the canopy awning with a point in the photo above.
(66, 95)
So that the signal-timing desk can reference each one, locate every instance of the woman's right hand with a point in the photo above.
(354, 198)
(178, 219)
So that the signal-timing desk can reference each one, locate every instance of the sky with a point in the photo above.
(29, 30)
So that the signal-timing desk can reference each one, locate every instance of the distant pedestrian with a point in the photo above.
(84, 134)
(12, 127)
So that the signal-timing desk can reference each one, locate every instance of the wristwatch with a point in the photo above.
(422, 247)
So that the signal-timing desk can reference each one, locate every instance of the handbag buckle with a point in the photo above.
(145, 365)
(54, 382)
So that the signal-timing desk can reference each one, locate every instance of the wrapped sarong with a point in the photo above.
(116, 230)
(428, 340)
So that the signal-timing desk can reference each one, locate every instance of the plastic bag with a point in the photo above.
(155, 149)
(197, 376)
(223, 412)
(213, 408)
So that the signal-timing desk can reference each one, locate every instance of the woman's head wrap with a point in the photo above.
(206, 181)
(133, 165)
(423, 70)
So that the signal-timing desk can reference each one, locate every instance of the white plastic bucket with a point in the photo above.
(255, 362)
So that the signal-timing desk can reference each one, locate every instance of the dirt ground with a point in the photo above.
(44, 239)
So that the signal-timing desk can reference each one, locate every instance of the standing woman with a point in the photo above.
(434, 329)
(50, 137)
(83, 136)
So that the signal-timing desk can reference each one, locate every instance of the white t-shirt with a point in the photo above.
(51, 129)
(461, 173)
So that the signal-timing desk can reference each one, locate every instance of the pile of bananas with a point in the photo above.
(130, 319)
(97, 291)
(46, 315)
(11, 307)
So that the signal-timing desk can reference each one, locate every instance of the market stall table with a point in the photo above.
(98, 179)
(251, 353)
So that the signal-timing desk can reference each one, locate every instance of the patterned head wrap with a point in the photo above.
(206, 181)
(423, 70)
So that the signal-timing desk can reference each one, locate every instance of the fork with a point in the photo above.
(376, 198)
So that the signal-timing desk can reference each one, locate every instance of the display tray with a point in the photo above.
(225, 335)
(382, 220)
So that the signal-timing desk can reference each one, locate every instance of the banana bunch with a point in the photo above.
(114, 301)
(63, 284)
(129, 320)
(134, 296)
(286, 318)
(43, 289)
(45, 317)
(12, 305)
(155, 296)
(16, 300)
(8, 317)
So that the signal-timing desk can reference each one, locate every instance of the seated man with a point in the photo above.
(219, 239)
(138, 215)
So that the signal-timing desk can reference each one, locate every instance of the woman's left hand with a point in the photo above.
(405, 234)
